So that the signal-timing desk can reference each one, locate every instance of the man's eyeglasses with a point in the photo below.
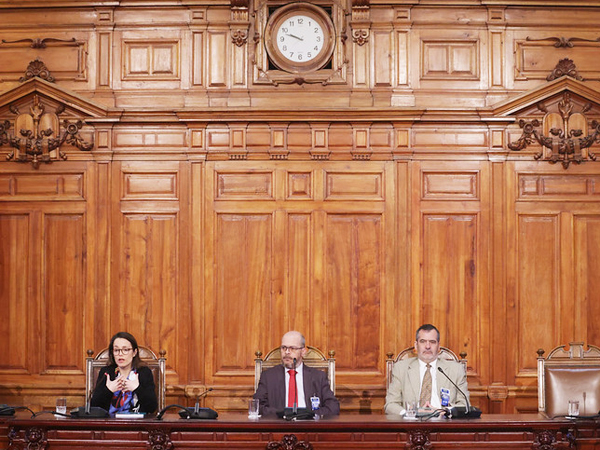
(122, 351)
(285, 349)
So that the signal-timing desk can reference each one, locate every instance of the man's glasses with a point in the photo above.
(122, 351)
(285, 349)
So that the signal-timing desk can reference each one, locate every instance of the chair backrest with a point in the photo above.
(409, 352)
(572, 374)
(156, 364)
(313, 358)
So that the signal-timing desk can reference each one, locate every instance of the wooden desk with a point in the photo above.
(231, 431)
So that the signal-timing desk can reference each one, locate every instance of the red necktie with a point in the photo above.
(292, 388)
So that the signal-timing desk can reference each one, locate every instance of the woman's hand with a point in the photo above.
(132, 383)
(114, 385)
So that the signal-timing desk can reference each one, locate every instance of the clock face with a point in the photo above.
(299, 37)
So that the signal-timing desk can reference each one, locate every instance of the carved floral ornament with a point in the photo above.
(563, 131)
(39, 134)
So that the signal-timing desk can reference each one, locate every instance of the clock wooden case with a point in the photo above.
(300, 38)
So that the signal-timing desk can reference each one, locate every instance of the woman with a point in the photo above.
(125, 384)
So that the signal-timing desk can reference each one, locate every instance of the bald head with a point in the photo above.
(293, 345)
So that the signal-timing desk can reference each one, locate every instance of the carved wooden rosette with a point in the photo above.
(239, 25)
(289, 442)
(35, 438)
(361, 21)
(418, 440)
(564, 67)
(159, 440)
(547, 440)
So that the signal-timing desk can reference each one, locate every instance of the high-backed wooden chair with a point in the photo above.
(313, 358)
(409, 352)
(572, 374)
(156, 364)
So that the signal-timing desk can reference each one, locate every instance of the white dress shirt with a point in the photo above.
(299, 384)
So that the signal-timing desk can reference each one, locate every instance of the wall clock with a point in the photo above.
(299, 37)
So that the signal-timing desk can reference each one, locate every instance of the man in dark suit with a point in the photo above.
(408, 376)
(280, 386)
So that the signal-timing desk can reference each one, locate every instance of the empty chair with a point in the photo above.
(572, 374)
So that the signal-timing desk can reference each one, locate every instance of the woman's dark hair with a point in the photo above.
(136, 362)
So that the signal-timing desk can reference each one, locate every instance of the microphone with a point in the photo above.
(470, 412)
(6, 410)
(88, 411)
(192, 412)
(294, 413)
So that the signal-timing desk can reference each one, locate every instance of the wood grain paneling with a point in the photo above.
(244, 299)
(450, 279)
(354, 290)
(225, 202)
(15, 267)
(146, 294)
(65, 269)
(537, 259)
(587, 285)
(151, 60)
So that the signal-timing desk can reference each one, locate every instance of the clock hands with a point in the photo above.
(291, 35)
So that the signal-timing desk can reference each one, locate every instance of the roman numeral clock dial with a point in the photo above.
(299, 37)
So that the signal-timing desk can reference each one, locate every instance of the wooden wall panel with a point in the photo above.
(244, 299)
(15, 273)
(145, 301)
(538, 300)
(65, 269)
(223, 205)
(587, 283)
(449, 291)
(354, 290)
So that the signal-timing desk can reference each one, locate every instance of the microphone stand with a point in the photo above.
(88, 411)
(192, 412)
(294, 414)
(470, 412)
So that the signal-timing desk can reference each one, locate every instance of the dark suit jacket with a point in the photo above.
(271, 391)
(146, 393)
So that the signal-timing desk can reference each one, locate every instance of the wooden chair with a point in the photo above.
(155, 363)
(313, 358)
(572, 374)
(409, 352)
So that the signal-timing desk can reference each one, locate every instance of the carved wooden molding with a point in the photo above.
(564, 67)
(332, 73)
(239, 24)
(562, 135)
(545, 440)
(289, 442)
(159, 440)
(40, 43)
(563, 42)
(37, 68)
(361, 22)
(418, 440)
(39, 134)
(35, 438)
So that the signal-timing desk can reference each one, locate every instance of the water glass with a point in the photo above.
(253, 405)
(61, 405)
(573, 408)
(411, 409)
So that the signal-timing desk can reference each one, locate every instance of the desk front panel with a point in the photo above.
(506, 432)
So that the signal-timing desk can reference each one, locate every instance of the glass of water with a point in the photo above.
(61, 405)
